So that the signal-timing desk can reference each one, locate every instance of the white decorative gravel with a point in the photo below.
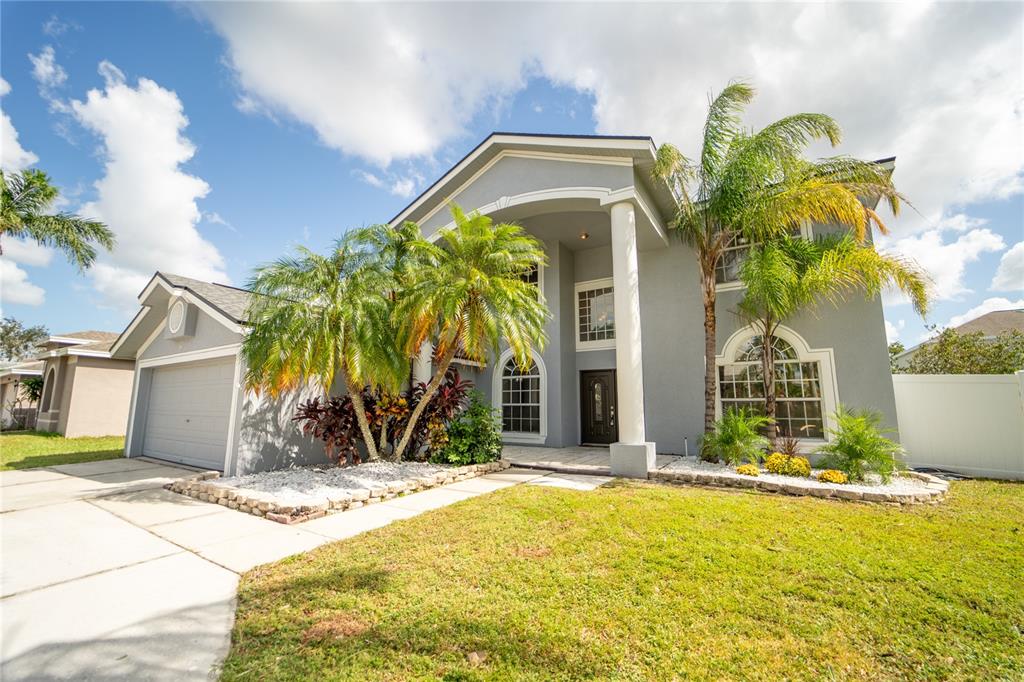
(312, 484)
(899, 485)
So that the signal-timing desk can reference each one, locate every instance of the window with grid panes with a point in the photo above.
(597, 314)
(797, 388)
(520, 398)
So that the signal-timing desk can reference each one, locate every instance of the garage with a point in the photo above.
(188, 402)
(188, 413)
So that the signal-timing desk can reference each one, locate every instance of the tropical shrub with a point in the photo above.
(952, 352)
(473, 438)
(787, 465)
(333, 420)
(736, 438)
(832, 476)
(789, 446)
(748, 470)
(858, 446)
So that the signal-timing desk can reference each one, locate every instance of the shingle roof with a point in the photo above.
(231, 301)
(90, 335)
(995, 323)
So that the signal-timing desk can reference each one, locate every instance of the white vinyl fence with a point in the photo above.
(968, 423)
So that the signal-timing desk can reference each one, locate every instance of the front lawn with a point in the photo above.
(639, 581)
(26, 449)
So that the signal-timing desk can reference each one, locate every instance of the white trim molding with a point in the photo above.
(590, 285)
(191, 356)
(628, 144)
(496, 378)
(605, 196)
(825, 357)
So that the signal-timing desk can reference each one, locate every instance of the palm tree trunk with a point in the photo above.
(768, 381)
(356, 394)
(435, 383)
(710, 330)
(383, 435)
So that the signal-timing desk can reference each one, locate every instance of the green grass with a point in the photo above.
(639, 581)
(27, 449)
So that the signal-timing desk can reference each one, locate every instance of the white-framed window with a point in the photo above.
(727, 270)
(595, 315)
(520, 394)
(805, 386)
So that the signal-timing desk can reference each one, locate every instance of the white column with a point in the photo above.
(422, 366)
(632, 455)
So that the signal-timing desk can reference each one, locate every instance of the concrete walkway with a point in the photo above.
(105, 575)
(582, 459)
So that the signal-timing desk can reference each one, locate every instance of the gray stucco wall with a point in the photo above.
(512, 176)
(209, 333)
(672, 323)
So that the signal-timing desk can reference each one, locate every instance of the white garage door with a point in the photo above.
(188, 412)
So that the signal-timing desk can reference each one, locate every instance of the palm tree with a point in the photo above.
(757, 185)
(27, 196)
(788, 274)
(315, 316)
(470, 297)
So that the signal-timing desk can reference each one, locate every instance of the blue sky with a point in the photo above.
(304, 121)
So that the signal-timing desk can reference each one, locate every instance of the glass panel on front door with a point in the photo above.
(597, 408)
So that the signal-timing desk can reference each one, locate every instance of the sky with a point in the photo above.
(214, 137)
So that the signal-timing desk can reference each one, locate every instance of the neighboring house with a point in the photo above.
(990, 325)
(85, 391)
(623, 365)
(16, 411)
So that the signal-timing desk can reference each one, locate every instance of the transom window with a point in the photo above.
(532, 276)
(595, 315)
(798, 387)
(728, 268)
(727, 271)
(520, 398)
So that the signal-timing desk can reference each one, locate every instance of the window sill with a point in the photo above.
(729, 286)
(529, 438)
(595, 345)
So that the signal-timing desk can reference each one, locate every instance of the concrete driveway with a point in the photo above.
(105, 575)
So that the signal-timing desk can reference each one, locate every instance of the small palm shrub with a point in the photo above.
(748, 470)
(788, 465)
(858, 446)
(789, 446)
(473, 438)
(736, 438)
(832, 476)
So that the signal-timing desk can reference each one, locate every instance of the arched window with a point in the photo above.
(804, 388)
(48, 390)
(519, 392)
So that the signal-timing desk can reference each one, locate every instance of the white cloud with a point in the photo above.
(403, 187)
(370, 178)
(986, 306)
(27, 252)
(1010, 273)
(46, 71)
(892, 331)
(215, 218)
(144, 195)
(948, 105)
(55, 27)
(944, 261)
(15, 287)
(13, 157)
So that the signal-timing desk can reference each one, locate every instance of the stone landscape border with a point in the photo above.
(259, 503)
(934, 493)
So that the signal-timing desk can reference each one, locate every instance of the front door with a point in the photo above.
(597, 401)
